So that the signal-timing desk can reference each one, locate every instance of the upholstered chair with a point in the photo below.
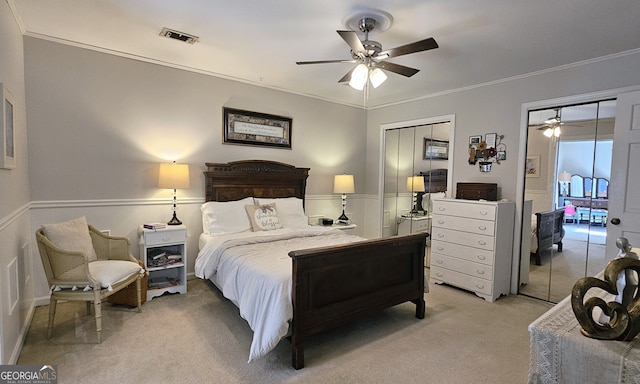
(83, 264)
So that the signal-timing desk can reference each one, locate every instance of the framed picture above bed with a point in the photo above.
(436, 149)
(253, 128)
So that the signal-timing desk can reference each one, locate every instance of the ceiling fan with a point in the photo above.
(368, 54)
(551, 126)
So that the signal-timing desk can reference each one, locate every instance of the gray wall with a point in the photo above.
(14, 200)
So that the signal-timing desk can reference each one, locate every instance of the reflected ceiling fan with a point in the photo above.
(368, 54)
(551, 126)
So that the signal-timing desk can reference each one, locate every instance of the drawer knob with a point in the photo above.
(440, 261)
(440, 235)
(482, 242)
(480, 257)
(166, 238)
(482, 228)
(442, 209)
(438, 274)
(440, 248)
(440, 221)
(480, 286)
(483, 213)
(480, 271)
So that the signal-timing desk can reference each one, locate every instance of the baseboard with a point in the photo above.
(22, 336)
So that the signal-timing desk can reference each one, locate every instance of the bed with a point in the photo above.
(312, 278)
(546, 230)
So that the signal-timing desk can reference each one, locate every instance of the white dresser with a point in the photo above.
(472, 245)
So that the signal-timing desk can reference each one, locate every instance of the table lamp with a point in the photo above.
(564, 178)
(174, 176)
(343, 184)
(415, 184)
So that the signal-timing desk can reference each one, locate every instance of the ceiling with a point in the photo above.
(259, 41)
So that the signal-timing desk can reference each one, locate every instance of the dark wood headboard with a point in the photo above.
(254, 178)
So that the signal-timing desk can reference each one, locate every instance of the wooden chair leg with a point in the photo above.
(97, 304)
(52, 314)
(138, 295)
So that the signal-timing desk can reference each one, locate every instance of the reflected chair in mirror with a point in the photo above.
(83, 264)
(569, 213)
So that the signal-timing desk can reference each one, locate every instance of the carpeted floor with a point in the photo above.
(583, 254)
(199, 337)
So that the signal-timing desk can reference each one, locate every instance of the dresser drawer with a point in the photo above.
(463, 266)
(462, 238)
(152, 238)
(464, 209)
(461, 280)
(483, 227)
(477, 255)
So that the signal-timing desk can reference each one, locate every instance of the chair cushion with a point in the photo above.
(109, 272)
(72, 235)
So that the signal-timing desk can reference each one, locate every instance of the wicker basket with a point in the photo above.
(127, 296)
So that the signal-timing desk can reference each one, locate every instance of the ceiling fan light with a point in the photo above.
(556, 131)
(359, 77)
(377, 77)
(548, 132)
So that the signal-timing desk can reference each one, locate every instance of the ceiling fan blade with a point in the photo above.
(353, 40)
(397, 68)
(324, 62)
(418, 46)
(347, 76)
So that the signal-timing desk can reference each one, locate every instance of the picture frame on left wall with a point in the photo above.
(7, 136)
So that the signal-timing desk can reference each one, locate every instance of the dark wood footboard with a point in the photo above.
(335, 285)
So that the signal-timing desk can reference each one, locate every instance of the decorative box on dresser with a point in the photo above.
(169, 244)
(471, 245)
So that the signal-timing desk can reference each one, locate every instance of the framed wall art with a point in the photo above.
(253, 128)
(436, 149)
(532, 167)
(7, 134)
(474, 141)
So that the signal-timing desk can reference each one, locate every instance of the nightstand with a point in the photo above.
(414, 224)
(164, 253)
(345, 227)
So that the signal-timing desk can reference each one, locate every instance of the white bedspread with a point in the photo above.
(253, 270)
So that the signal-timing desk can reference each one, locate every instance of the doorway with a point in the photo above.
(569, 152)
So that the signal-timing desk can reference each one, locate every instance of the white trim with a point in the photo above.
(15, 354)
(111, 202)
(13, 216)
(16, 16)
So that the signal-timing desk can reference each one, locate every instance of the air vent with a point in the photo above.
(172, 34)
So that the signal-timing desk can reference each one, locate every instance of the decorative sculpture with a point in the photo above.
(620, 279)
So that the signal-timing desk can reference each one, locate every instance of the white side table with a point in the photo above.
(345, 227)
(168, 271)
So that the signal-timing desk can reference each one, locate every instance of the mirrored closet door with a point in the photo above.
(416, 168)
(569, 152)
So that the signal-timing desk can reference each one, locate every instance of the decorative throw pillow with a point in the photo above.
(72, 235)
(263, 217)
(290, 211)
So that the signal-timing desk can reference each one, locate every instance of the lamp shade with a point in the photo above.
(415, 183)
(173, 176)
(564, 176)
(343, 184)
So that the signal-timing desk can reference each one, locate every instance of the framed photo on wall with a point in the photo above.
(253, 128)
(7, 134)
(532, 167)
(436, 149)
(474, 141)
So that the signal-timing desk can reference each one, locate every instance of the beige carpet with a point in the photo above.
(199, 337)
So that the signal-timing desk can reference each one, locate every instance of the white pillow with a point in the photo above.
(72, 235)
(109, 272)
(263, 217)
(290, 211)
(225, 217)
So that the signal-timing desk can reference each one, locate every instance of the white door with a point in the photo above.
(624, 189)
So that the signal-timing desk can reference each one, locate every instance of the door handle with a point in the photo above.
(615, 221)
